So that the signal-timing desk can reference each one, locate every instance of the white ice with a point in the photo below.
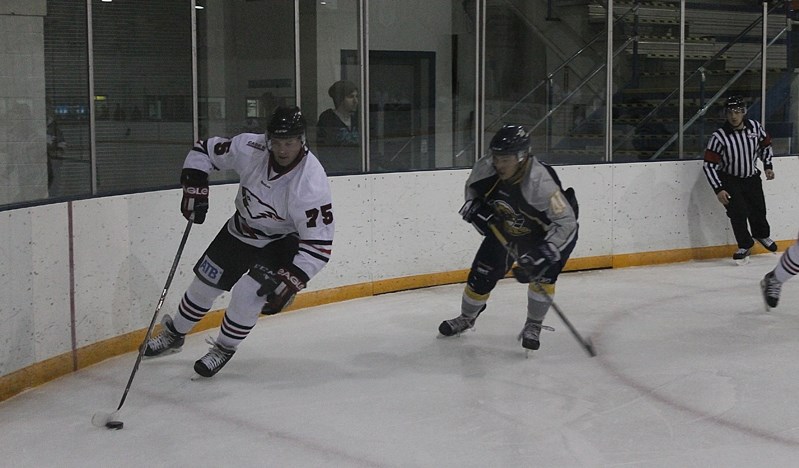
(691, 372)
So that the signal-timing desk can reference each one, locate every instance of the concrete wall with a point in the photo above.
(77, 275)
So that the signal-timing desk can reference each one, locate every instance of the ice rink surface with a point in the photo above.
(691, 372)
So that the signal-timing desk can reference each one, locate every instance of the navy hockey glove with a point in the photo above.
(279, 286)
(532, 264)
(194, 205)
(479, 213)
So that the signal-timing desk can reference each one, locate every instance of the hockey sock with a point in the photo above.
(472, 303)
(196, 302)
(538, 302)
(788, 266)
(242, 313)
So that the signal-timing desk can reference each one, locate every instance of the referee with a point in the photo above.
(731, 168)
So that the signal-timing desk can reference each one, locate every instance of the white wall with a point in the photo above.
(388, 226)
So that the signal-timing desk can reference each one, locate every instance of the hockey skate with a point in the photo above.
(768, 244)
(166, 342)
(741, 256)
(530, 335)
(214, 360)
(459, 324)
(771, 290)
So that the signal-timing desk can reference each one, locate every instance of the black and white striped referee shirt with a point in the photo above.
(735, 152)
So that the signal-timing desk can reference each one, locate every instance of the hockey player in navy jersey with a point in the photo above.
(512, 191)
(279, 237)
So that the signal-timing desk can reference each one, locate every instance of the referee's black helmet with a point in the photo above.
(735, 103)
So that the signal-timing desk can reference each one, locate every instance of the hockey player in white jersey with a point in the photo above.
(279, 237)
(786, 268)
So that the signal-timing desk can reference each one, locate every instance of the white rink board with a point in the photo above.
(34, 286)
(387, 226)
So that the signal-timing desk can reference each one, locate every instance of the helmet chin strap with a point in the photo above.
(519, 173)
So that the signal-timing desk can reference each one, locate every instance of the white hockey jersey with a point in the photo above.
(271, 205)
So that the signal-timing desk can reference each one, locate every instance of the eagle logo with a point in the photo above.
(256, 207)
(512, 222)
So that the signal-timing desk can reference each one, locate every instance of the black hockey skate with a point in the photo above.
(768, 244)
(214, 360)
(741, 256)
(530, 335)
(459, 324)
(166, 342)
(771, 290)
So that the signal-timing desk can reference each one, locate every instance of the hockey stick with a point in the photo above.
(586, 343)
(108, 420)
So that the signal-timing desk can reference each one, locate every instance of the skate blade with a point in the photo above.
(442, 336)
(743, 261)
(195, 377)
(165, 353)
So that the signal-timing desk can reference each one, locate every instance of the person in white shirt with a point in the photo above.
(278, 238)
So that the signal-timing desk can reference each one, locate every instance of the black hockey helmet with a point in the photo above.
(286, 122)
(735, 103)
(511, 139)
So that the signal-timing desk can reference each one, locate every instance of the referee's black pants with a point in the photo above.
(747, 204)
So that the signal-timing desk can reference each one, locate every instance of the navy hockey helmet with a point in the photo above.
(735, 103)
(286, 122)
(511, 139)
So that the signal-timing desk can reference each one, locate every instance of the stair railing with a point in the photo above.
(699, 70)
(566, 63)
(702, 110)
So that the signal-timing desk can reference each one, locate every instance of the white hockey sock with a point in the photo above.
(788, 266)
(242, 313)
(196, 302)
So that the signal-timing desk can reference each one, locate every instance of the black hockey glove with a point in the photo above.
(194, 205)
(479, 213)
(279, 286)
(532, 264)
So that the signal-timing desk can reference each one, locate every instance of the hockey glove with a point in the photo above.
(279, 286)
(194, 205)
(532, 264)
(479, 213)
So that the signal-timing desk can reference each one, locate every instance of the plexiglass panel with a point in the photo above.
(246, 63)
(545, 70)
(67, 99)
(143, 92)
(421, 84)
(331, 76)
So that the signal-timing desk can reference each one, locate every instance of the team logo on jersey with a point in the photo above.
(512, 222)
(256, 145)
(257, 208)
(209, 270)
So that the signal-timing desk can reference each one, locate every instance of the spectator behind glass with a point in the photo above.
(338, 136)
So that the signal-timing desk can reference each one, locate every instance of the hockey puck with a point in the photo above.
(114, 425)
